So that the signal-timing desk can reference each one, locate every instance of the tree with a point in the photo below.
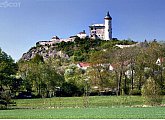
(51, 77)
(120, 59)
(140, 65)
(152, 92)
(40, 76)
(7, 69)
(100, 76)
(74, 77)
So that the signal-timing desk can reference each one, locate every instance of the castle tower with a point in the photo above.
(108, 27)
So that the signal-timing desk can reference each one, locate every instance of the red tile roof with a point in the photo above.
(83, 64)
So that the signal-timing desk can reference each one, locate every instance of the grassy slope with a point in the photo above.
(72, 107)
(95, 101)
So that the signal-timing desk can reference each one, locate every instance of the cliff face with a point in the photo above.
(45, 51)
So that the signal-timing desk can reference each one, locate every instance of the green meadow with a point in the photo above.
(121, 112)
(74, 102)
(74, 107)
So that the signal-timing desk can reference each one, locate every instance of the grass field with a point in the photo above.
(122, 112)
(93, 101)
(73, 107)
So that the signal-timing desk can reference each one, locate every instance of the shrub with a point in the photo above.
(4, 100)
(163, 92)
(135, 92)
(68, 90)
(2, 107)
(3, 104)
(152, 92)
(5, 96)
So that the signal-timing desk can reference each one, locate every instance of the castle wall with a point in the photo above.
(97, 31)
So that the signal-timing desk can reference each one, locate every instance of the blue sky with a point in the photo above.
(33, 20)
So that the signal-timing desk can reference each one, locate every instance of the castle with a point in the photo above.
(97, 31)
(102, 31)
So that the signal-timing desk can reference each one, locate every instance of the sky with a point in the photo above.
(25, 22)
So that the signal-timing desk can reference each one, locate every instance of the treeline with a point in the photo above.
(111, 70)
(132, 67)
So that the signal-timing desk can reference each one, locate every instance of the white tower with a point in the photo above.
(108, 27)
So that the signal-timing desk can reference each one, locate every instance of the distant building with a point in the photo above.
(102, 31)
(160, 61)
(44, 43)
(55, 39)
(83, 65)
(125, 46)
(82, 35)
(72, 38)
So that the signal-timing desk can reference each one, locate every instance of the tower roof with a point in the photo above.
(55, 37)
(108, 16)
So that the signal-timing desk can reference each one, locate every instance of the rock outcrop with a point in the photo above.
(45, 51)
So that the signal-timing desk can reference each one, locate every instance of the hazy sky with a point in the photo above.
(24, 22)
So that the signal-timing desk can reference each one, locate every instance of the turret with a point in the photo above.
(108, 27)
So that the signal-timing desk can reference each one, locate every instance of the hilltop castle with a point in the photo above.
(102, 31)
(97, 31)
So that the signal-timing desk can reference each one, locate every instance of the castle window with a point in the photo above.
(94, 32)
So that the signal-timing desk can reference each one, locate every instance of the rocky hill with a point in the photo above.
(45, 51)
(79, 49)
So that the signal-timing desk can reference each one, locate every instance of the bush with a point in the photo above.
(2, 107)
(69, 90)
(5, 96)
(135, 92)
(163, 92)
(4, 100)
(152, 92)
(3, 104)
